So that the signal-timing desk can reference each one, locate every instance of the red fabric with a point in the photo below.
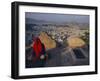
(37, 47)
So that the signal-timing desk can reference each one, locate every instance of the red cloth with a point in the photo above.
(37, 47)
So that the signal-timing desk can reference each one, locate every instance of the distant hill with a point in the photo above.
(33, 21)
(51, 23)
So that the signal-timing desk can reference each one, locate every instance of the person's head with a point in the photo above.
(33, 37)
(37, 40)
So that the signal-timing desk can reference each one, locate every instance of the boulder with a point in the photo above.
(47, 41)
(75, 42)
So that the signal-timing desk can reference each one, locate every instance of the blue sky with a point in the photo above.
(58, 17)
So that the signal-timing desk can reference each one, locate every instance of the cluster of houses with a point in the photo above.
(62, 33)
(58, 33)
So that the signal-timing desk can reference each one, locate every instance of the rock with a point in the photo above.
(47, 41)
(75, 42)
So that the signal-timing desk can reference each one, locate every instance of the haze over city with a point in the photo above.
(60, 18)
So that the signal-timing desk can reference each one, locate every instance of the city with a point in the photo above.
(55, 38)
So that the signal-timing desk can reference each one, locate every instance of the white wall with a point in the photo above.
(5, 40)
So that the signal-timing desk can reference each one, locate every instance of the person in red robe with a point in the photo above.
(39, 52)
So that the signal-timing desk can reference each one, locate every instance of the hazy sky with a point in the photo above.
(58, 17)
